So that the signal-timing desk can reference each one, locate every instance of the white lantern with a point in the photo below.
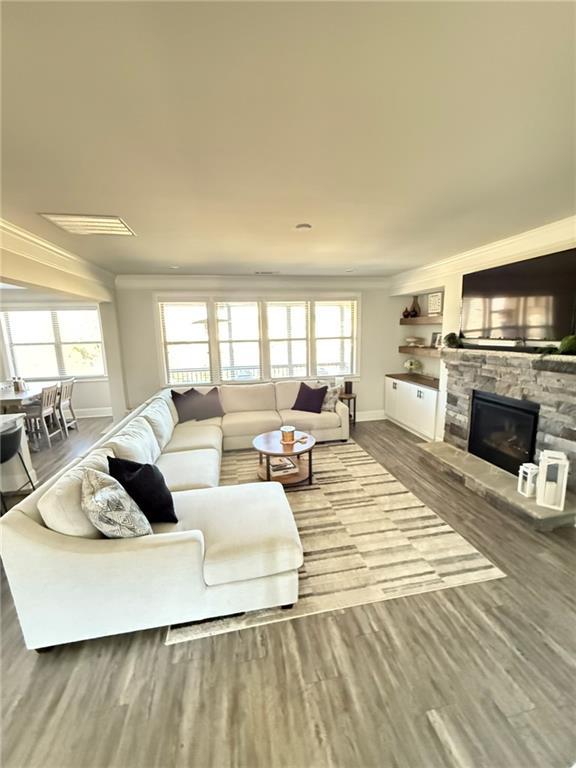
(527, 475)
(552, 480)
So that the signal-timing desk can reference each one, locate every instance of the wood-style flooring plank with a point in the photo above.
(480, 676)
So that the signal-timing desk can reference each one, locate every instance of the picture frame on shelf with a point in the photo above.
(436, 340)
(435, 303)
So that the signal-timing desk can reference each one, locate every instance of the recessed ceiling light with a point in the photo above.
(174, 266)
(264, 272)
(89, 225)
(349, 269)
(304, 225)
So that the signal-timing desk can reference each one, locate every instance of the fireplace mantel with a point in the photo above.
(547, 380)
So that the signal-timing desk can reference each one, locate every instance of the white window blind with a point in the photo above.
(208, 342)
(186, 342)
(47, 343)
(239, 340)
(288, 332)
(335, 337)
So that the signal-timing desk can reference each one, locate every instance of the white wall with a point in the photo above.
(137, 310)
(447, 275)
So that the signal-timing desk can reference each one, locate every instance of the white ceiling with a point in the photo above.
(404, 132)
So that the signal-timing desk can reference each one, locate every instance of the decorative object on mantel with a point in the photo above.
(568, 345)
(415, 341)
(552, 480)
(435, 303)
(436, 339)
(527, 475)
(406, 313)
(452, 341)
(414, 366)
(415, 307)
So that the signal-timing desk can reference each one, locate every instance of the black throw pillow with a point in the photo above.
(194, 405)
(146, 485)
(310, 399)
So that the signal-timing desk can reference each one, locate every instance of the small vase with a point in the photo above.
(415, 308)
(406, 313)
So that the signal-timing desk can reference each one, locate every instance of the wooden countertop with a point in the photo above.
(416, 378)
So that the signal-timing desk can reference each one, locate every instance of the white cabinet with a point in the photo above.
(411, 405)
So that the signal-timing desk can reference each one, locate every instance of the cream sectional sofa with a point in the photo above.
(234, 549)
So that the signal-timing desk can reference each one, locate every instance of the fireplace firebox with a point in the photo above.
(503, 430)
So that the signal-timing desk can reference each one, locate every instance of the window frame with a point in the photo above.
(211, 300)
(57, 342)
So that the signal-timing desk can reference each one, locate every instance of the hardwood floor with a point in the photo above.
(481, 676)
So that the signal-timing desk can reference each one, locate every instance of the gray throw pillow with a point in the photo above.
(110, 509)
(331, 398)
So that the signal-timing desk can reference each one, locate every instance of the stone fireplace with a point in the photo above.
(525, 403)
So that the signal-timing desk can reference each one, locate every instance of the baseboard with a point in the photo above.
(370, 415)
(91, 413)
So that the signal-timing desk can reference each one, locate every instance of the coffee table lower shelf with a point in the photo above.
(294, 478)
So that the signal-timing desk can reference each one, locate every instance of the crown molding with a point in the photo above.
(21, 242)
(199, 283)
(556, 236)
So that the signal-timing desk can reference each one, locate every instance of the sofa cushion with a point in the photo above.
(331, 398)
(310, 398)
(250, 423)
(61, 506)
(248, 397)
(190, 469)
(193, 435)
(195, 405)
(307, 421)
(249, 530)
(110, 508)
(146, 485)
(136, 441)
(158, 415)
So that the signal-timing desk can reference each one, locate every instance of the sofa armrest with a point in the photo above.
(343, 411)
(67, 588)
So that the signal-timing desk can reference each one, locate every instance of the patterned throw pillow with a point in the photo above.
(110, 509)
(331, 398)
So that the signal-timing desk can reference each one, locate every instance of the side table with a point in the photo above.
(350, 401)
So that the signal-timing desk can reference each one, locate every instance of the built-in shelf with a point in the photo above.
(422, 320)
(420, 351)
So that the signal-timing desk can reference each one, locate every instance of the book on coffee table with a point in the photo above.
(282, 465)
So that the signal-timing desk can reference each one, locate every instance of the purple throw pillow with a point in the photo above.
(310, 399)
(194, 405)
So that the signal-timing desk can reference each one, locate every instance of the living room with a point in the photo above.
(288, 367)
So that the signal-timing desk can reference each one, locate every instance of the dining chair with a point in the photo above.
(63, 403)
(9, 447)
(39, 412)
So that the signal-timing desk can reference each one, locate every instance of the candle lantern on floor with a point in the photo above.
(552, 480)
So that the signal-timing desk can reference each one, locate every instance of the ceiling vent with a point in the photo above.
(264, 273)
(89, 225)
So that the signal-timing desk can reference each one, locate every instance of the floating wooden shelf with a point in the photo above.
(422, 320)
(420, 351)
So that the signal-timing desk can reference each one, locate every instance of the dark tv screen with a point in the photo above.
(533, 300)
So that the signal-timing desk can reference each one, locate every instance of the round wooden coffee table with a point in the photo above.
(269, 444)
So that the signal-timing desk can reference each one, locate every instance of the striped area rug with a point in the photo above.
(366, 538)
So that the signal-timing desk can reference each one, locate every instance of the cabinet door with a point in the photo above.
(391, 393)
(425, 411)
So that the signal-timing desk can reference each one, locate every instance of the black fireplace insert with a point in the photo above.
(503, 430)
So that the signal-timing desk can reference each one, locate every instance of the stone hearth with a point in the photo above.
(549, 381)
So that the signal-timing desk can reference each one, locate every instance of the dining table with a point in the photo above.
(12, 401)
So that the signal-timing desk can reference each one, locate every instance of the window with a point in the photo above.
(186, 347)
(207, 342)
(335, 332)
(46, 343)
(288, 338)
(239, 340)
